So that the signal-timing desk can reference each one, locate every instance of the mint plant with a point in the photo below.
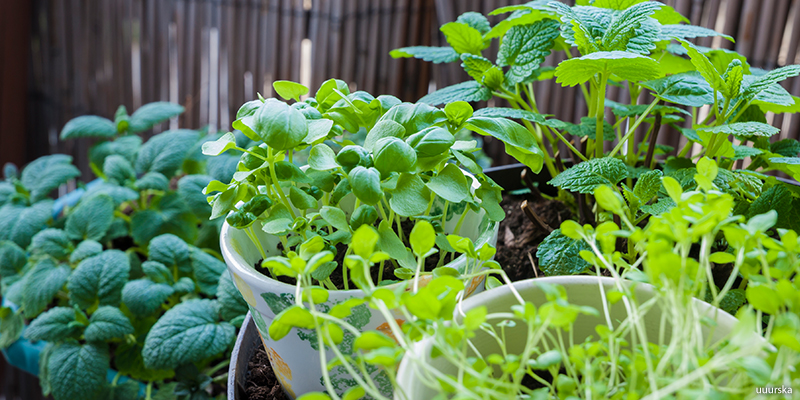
(409, 168)
(125, 276)
(641, 46)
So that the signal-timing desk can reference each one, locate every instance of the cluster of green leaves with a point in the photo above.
(641, 45)
(131, 270)
(406, 168)
(682, 251)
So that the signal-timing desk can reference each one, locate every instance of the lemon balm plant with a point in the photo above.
(409, 168)
(641, 46)
(639, 332)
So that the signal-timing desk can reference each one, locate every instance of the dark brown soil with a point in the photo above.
(533, 384)
(388, 266)
(519, 238)
(261, 383)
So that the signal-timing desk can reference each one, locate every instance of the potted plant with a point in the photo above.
(642, 47)
(640, 332)
(281, 218)
(104, 283)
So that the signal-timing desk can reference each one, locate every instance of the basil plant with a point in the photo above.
(410, 166)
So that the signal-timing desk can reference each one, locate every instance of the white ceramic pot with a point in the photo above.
(295, 358)
(581, 290)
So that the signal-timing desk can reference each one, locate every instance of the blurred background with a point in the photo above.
(63, 58)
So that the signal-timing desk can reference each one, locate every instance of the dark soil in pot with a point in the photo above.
(519, 237)
(261, 383)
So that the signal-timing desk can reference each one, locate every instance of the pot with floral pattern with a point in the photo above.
(295, 358)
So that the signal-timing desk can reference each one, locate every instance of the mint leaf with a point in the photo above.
(19, 223)
(207, 270)
(107, 323)
(165, 152)
(46, 173)
(53, 242)
(120, 194)
(560, 255)
(99, 279)
(495, 112)
(785, 147)
(663, 205)
(157, 272)
(54, 325)
(463, 38)
(475, 66)
(687, 88)
(150, 114)
(144, 297)
(633, 29)
(705, 67)
(519, 142)
(118, 169)
(230, 300)
(436, 55)
(171, 251)
(190, 189)
(152, 181)
(742, 152)
(85, 249)
(91, 218)
(11, 325)
(780, 199)
(763, 82)
(668, 32)
(77, 371)
(475, 20)
(126, 146)
(648, 185)
(524, 48)
(732, 301)
(88, 126)
(42, 283)
(12, 259)
(469, 91)
(588, 175)
(625, 65)
(743, 130)
(187, 333)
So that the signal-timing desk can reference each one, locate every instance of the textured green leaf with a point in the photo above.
(785, 147)
(469, 91)
(524, 48)
(648, 185)
(207, 270)
(688, 32)
(633, 23)
(475, 66)
(42, 284)
(118, 169)
(188, 332)
(450, 184)
(11, 326)
(230, 300)
(144, 297)
(53, 325)
(519, 142)
(12, 259)
(150, 114)
(410, 197)
(733, 300)
(145, 225)
(436, 55)
(475, 20)
(705, 67)
(44, 174)
(128, 390)
(19, 223)
(744, 130)
(53, 242)
(190, 189)
(625, 65)
(495, 112)
(107, 323)
(91, 218)
(763, 82)
(171, 251)
(99, 279)
(120, 194)
(128, 360)
(126, 146)
(780, 199)
(687, 88)
(165, 152)
(152, 181)
(742, 152)
(77, 371)
(88, 126)
(587, 127)
(463, 38)
(588, 175)
(560, 255)
(157, 272)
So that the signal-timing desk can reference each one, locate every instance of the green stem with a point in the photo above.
(460, 221)
(632, 129)
(568, 144)
(600, 115)
(274, 177)
(148, 393)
